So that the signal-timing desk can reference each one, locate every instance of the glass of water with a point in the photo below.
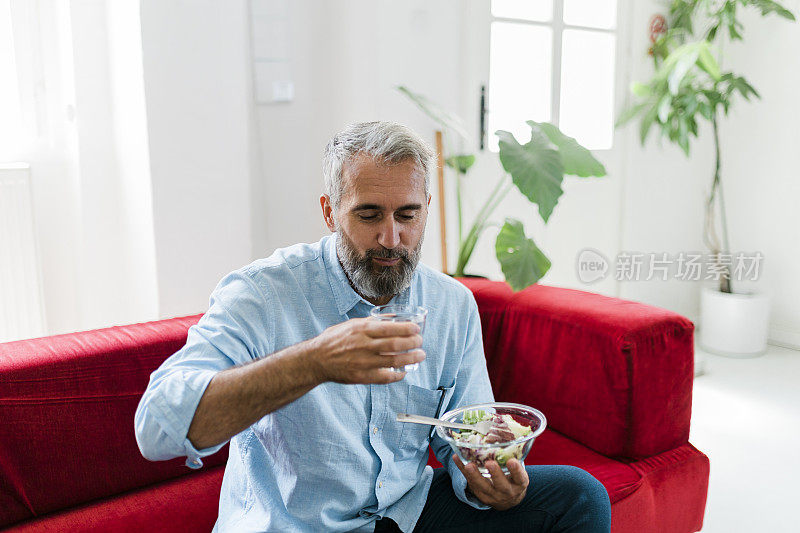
(401, 313)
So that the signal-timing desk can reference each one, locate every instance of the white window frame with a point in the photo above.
(557, 25)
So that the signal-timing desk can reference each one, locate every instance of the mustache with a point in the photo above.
(385, 253)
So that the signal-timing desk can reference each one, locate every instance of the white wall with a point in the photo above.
(198, 98)
(138, 262)
(290, 138)
(761, 161)
(170, 176)
(100, 224)
(662, 207)
(346, 58)
(665, 191)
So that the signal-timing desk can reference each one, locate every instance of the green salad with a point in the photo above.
(504, 429)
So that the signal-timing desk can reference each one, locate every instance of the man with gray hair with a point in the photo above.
(287, 365)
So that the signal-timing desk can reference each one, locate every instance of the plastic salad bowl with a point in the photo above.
(480, 452)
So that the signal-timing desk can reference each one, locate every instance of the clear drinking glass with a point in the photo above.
(401, 313)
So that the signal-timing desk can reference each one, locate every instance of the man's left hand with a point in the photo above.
(500, 492)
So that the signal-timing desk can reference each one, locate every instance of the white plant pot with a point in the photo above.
(733, 324)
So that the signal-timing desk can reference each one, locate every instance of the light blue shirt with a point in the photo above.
(335, 459)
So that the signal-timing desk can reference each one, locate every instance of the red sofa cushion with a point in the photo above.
(619, 479)
(609, 373)
(67, 404)
(671, 496)
(666, 492)
(187, 503)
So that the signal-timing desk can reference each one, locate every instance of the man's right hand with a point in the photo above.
(350, 352)
(359, 351)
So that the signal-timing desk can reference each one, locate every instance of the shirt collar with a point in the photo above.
(344, 294)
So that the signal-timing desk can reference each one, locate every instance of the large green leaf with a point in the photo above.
(522, 262)
(577, 160)
(535, 169)
(444, 118)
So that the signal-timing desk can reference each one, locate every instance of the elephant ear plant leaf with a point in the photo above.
(577, 160)
(536, 169)
(522, 262)
(689, 86)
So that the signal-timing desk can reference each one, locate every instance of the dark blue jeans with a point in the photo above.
(558, 499)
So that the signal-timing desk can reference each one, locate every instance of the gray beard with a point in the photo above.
(375, 281)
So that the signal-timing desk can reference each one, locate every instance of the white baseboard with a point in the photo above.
(776, 336)
(785, 337)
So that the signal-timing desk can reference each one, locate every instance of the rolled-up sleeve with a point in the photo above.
(472, 386)
(236, 329)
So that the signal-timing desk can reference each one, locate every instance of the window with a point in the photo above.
(553, 61)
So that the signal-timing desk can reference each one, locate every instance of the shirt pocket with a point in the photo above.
(421, 401)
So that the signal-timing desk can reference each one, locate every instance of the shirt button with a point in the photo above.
(375, 430)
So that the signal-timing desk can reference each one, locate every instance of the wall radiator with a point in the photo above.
(21, 302)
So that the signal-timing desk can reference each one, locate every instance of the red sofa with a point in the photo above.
(614, 379)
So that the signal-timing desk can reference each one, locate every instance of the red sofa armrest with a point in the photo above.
(612, 374)
(67, 405)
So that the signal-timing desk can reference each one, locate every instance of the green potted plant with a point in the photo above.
(536, 169)
(687, 87)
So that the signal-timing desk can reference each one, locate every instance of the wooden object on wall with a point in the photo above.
(442, 219)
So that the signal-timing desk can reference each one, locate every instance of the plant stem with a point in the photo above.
(723, 217)
(468, 245)
(458, 205)
(499, 199)
(725, 280)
